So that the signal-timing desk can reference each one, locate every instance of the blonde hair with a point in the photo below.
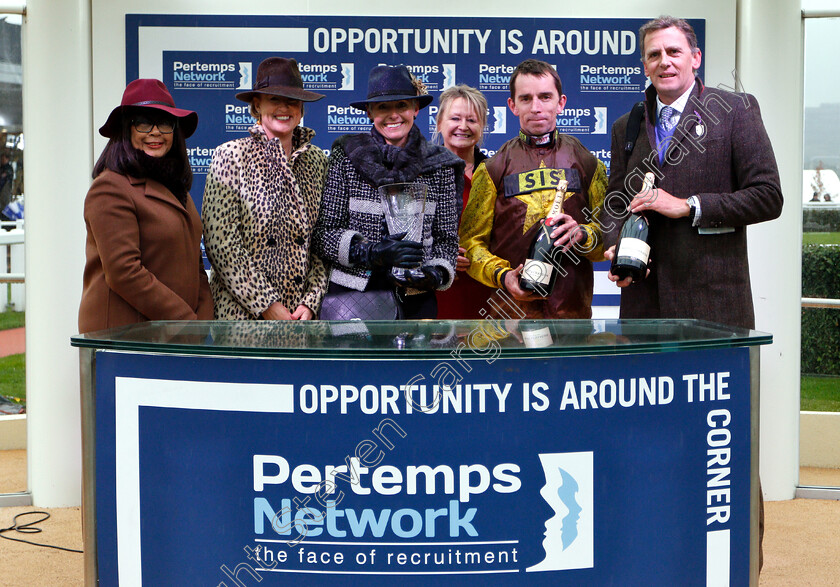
(472, 96)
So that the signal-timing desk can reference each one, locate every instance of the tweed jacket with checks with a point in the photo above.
(351, 206)
(722, 154)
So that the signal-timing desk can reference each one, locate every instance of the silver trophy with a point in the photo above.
(404, 204)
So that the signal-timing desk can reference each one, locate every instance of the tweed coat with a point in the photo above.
(258, 210)
(352, 207)
(729, 165)
(143, 255)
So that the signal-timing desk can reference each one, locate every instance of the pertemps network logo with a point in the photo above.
(318, 77)
(448, 75)
(435, 76)
(600, 127)
(583, 121)
(245, 76)
(348, 75)
(497, 121)
(570, 533)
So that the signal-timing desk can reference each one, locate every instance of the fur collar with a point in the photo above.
(380, 163)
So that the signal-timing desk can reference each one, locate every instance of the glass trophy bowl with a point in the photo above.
(404, 204)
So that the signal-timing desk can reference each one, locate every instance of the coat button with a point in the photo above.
(298, 279)
(270, 241)
(299, 241)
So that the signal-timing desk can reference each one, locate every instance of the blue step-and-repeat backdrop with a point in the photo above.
(206, 60)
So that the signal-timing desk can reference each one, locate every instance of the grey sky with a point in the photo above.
(822, 50)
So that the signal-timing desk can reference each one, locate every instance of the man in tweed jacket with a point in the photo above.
(714, 176)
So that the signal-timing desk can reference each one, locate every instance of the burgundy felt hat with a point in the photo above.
(149, 93)
(279, 76)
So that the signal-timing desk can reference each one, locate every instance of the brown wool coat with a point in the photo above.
(143, 256)
(733, 172)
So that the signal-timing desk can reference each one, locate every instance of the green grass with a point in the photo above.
(13, 376)
(820, 394)
(12, 320)
(821, 238)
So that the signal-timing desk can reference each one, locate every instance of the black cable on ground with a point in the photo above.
(30, 529)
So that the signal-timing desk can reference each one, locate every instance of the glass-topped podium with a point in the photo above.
(585, 452)
(417, 338)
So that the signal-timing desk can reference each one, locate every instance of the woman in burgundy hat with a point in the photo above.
(143, 255)
(260, 203)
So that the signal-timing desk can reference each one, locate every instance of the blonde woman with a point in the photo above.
(461, 119)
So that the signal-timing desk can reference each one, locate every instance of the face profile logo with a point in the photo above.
(448, 75)
(497, 122)
(570, 532)
(244, 75)
(347, 75)
(600, 121)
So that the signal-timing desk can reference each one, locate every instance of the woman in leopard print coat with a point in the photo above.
(261, 201)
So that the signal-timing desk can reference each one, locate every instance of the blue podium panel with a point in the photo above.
(613, 470)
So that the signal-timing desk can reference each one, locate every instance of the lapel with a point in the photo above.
(155, 190)
(688, 119)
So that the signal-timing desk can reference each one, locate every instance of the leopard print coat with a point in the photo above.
(258, 212)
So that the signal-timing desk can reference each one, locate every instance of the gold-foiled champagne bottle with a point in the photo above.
(539, 273)
(632, 251)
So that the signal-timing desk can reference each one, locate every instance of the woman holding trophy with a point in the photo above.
(375, 183)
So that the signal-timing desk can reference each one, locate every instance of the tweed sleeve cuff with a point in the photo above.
(344, 246)
(447, 267)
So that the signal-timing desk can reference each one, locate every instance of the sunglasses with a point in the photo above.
(144, 125)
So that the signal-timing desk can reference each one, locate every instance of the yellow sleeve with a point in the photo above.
(593, 247)
(476, 226)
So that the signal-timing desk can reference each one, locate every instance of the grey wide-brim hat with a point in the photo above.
(278, 76)
(387, 83)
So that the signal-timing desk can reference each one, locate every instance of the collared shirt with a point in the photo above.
(678, 105)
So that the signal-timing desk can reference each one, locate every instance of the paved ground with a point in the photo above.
(12, 342)
(800, 547)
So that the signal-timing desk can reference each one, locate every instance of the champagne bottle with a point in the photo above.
(535, 334)
(539, 273)
(632, 252)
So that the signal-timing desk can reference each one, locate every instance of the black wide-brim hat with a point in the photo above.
(148, 93)
(278, 76)
(388, 83)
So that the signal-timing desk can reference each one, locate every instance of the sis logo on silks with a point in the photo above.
(569, 534)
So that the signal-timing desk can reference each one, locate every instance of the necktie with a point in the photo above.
(668, 118)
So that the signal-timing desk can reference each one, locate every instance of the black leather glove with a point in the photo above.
(433, 277)
(391, 251)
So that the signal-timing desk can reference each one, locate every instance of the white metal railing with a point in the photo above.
(13, 7)
(12, 266)
(820, 303)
